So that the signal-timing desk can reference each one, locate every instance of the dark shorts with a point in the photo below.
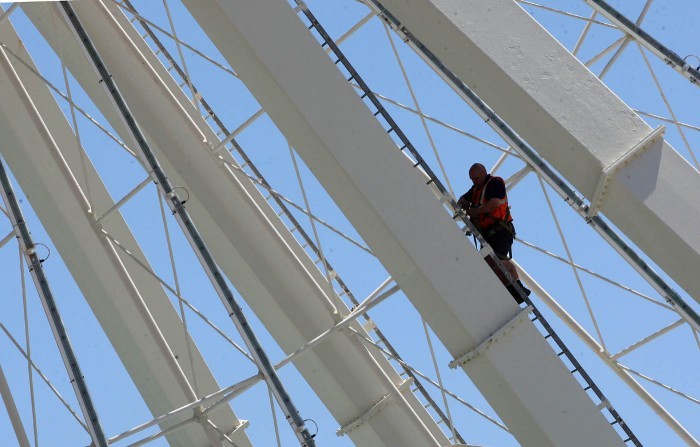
(501, 240)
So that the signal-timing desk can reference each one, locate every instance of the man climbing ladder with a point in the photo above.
(486, 204)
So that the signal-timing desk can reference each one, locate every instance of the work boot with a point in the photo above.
(522, 286)
(515, 294)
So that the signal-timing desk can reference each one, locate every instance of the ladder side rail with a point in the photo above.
(192, 234)
(51, 308)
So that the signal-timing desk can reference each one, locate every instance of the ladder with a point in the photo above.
(404, 144)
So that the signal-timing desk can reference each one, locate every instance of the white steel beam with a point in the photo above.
(571, 118)
(406, 227)
(42, 153)
(250, 243)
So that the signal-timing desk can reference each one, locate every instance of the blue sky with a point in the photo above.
(623, 317)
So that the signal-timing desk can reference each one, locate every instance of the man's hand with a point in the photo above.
(464, 203)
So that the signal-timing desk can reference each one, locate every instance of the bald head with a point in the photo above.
(477, 174)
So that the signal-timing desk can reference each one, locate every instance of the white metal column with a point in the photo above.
(386, 200)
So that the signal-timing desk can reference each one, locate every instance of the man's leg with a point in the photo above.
(501, 242)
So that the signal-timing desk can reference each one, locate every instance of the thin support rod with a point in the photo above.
(584, 34)
(328, 301)
(43, 377)
(625, 42)
(596, 275)
(417, 373)
(259, 181)
(440, 123)
(572, 264)
(12, 412)
(568, 14)
(604, 52)
(195, 239)
(125, 199)
(51, 309)
(11, 235)
(222, 395)
(668, 106)
(647, 339)
(662, 385)
(170, 289)
(418, 108)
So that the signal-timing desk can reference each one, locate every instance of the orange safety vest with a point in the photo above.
(498, 214)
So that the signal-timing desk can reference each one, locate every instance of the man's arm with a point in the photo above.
(487, 207)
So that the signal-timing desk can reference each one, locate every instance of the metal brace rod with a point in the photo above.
(491, 339)
(223, 395)
(610, 170)
(125, 199)
(50, 307)
(12, 412)
(7, 238)
(647, 339)
(190, 230)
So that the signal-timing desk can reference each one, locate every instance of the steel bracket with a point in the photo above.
(372, 411)
(609, 171)
(493, 338)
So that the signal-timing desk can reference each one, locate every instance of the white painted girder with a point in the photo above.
(571, 118)
(48, 167)
(249, 242)
(389, 205)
